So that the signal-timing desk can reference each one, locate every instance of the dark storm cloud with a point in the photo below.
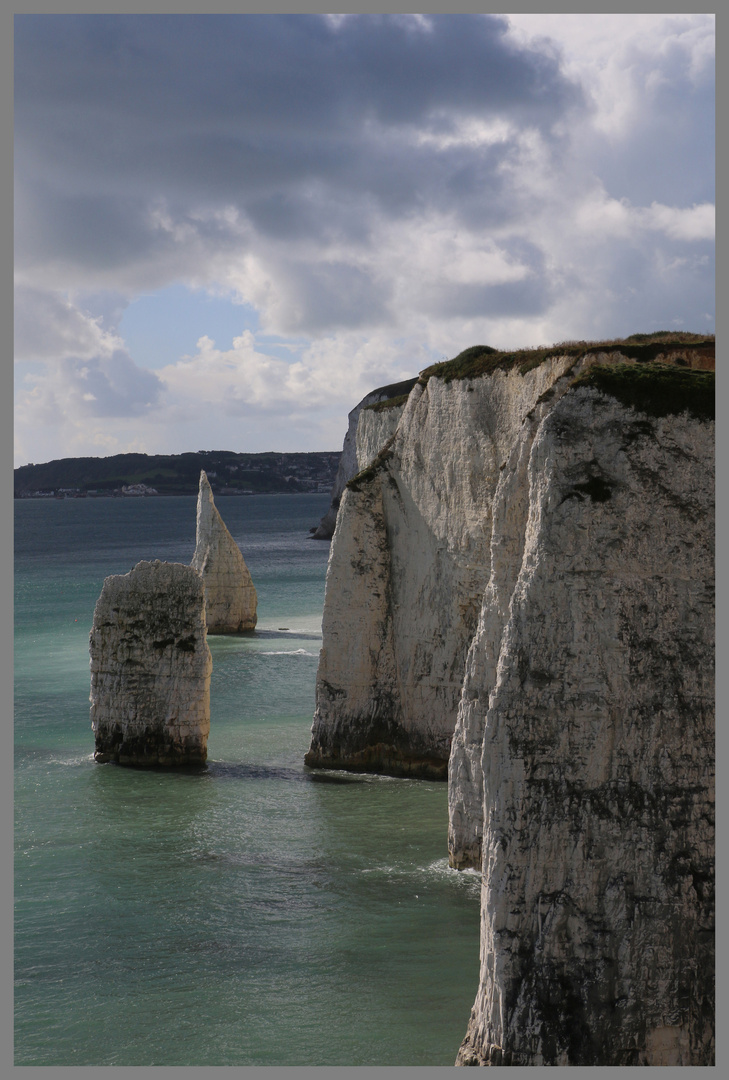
(377, 190)
(96, 230)
(529, 296)
(293, 73)
(331, 295)
(281, 116)
(364, 173)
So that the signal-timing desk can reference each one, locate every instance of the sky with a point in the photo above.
(230, 228)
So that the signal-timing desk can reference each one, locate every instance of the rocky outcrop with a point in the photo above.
(407, 573)
(349, 463)
(230, 595)
(150, 667)
(589, 687)
(666, 388)
(521, 581)
(377, 425)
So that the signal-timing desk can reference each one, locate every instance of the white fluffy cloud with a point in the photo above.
(383, 190)
(48, 326)
(244, 381)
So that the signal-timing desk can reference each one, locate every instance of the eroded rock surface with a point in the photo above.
(352, 454)
(522, 578)
(230, 595)
(590, 686)
(376, 426)
(150, 667)
(407, 573)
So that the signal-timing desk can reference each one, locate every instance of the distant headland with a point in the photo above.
(130, 475)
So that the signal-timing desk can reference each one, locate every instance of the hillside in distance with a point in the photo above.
(229, 473)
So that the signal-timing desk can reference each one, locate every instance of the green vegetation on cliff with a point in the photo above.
(655, 389)
(479, 360)
(380, 406)
(369, 472)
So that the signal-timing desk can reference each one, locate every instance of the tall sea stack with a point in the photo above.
(150, 667)
(230, 595)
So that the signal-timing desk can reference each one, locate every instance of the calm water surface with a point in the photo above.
(255, 912)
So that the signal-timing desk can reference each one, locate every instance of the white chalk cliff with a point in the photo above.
(376, 425)
(349, 463)
(407, 573)
(150, 667)
(520, 594)
(230, 595)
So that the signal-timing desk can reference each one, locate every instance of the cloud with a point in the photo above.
(617, 218)
(237, 398)
(84, 368)
(382, 190)
(101, 386)
(147, 146)
(682, 223)
(649, 80)
(49, 327)
(244, 380)
(327, 295)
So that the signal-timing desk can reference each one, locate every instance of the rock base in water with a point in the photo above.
(380, 758)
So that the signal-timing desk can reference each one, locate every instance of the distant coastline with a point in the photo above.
(153, 475)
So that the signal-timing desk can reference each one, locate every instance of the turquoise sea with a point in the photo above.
(255, 912)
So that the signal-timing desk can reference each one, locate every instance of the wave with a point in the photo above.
(76, 760)
(439, 867)
(289, 652)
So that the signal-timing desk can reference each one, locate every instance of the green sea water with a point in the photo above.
(255, 912)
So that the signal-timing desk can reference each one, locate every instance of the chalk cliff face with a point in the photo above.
(230, 595)
(349, 463)
(150, 667)
(590, 687)
(407, 573)
(376, 426)
(521, 580)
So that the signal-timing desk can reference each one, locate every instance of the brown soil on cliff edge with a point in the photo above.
(691, 351)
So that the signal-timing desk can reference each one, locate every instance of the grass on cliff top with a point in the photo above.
(655, 389)
(369, 472)
(391, 403)
(481, 360)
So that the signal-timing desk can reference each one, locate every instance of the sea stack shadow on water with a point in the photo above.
(151, 667)
(230, 595)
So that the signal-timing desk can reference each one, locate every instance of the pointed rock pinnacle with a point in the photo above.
(230, 596)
